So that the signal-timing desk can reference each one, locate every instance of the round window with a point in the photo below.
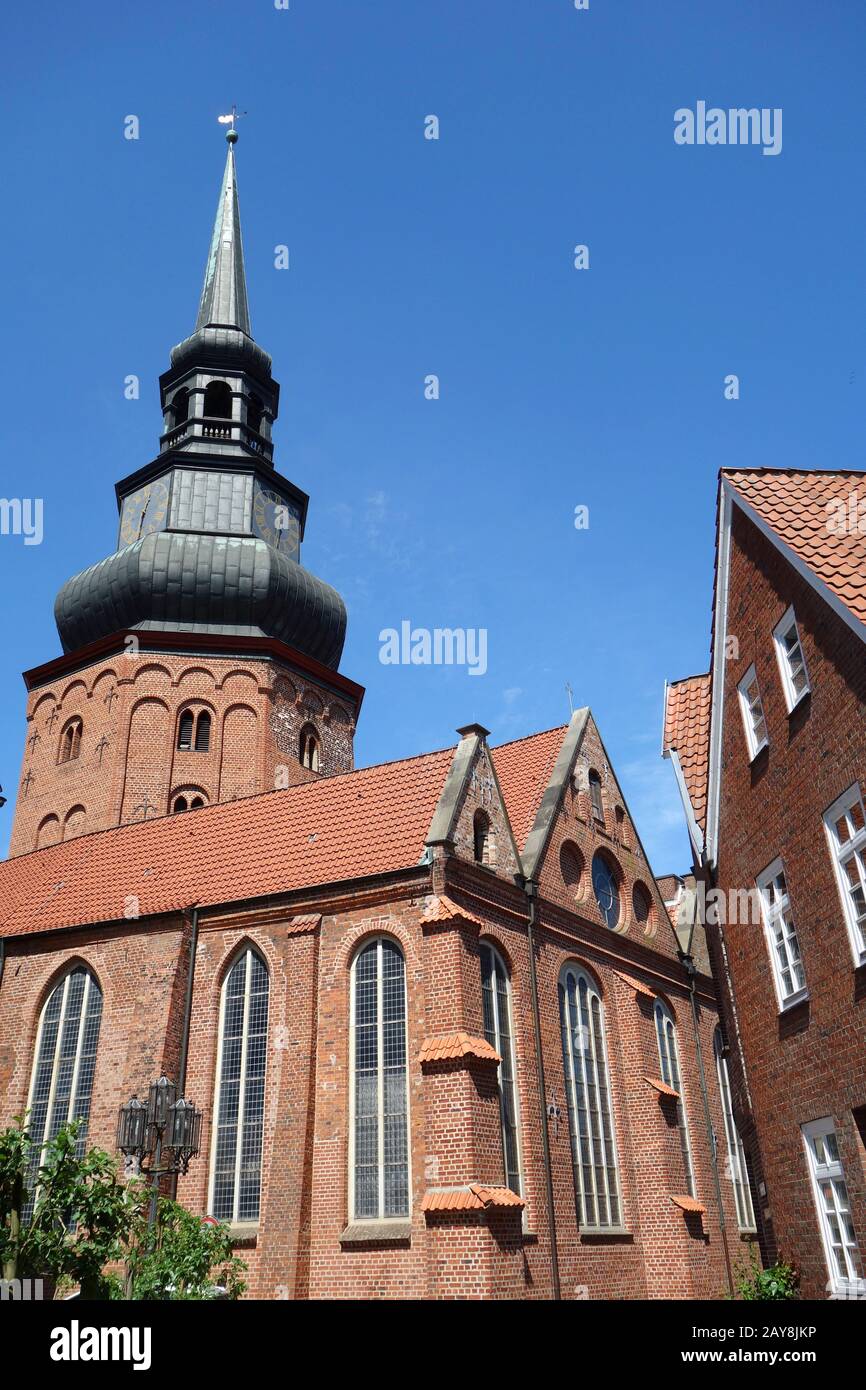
(605, 889)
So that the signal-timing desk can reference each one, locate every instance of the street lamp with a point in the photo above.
(161, 1135)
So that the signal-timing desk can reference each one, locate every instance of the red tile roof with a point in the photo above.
(637, 985)
(365, 822)
(688, 1204)
(661, 1086)
(448, 1046)
(798, 506)
(687, 731)
(471, 1198)
(524, 768)
(444, 909)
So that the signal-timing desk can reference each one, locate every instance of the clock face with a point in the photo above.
(144, 511)
(276, 521)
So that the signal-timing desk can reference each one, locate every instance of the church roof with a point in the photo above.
(224, 293)
(355, 825)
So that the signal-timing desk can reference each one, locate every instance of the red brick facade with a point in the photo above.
(805, 1063)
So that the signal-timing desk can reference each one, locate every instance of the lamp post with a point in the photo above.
(161, 1135)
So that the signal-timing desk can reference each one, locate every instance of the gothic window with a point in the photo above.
(62, 1080)
(196, 802)
(70, 741)
(184, 731)
(571, 868)
(484, 843)
(218, 400)
(669, 1058)
(595, 795)
(641, 906)
(240, 1100)
(378, 1094)
(309, 748)
(496, 999)
(590, 1120)
(736, 1156)
(180, 407)
(180, 804)
(202, 733)
(189, 800)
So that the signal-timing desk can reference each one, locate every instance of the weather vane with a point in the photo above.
(570, 694)
(229, 120)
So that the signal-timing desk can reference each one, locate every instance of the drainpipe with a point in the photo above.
(2, 957)
(187, 1008)
(531, 891)
(187, 1016)
(691, 971)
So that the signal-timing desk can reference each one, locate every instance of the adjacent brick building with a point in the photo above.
(445, 1037)
(769, 751)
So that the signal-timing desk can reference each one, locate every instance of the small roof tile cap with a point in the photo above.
(444, 909)
(445, 1046)
(637, 985)
(662, 1087)
(688, 1204)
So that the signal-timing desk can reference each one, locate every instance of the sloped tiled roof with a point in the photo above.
(448, 1047)
(524, 768)
(797, 505)
(471, 1198)
(687, 731)
(366, 822)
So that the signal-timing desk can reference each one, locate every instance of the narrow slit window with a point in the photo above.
(736, 1164)
(496, 1000)
(379, 1099)
(240, 1101)
(752, 710)
(669, 1059)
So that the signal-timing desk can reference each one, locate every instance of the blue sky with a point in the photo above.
(558, 387)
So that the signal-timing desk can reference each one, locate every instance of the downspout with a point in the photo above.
(187, 1017)
(531, 891)
(691, 971)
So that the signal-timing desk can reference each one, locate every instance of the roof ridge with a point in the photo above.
(510, 743)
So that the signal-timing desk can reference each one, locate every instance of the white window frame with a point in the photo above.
(770, 913)
(603, 1152)
(496, 1041)
(840, 853)
(379, 1218)
(737, 1170)
(246, 952)
(831, 1172)
(753, 743)
(786, 670)
(72, 1103)
(669, 1061)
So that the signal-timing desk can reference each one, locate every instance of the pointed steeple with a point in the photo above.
(224, 293)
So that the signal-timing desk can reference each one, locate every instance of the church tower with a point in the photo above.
(200, 659)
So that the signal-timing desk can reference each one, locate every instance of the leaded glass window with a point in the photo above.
(240, 1101)
(379, 1167)
(590, 1119)
(496, 999)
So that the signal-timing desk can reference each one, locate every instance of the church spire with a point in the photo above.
(224, 293)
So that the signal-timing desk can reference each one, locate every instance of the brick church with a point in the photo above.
(447, 1036)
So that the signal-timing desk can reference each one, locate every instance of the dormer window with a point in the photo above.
(309, 748)
(752, 711)
(218, 400)
(70, 741)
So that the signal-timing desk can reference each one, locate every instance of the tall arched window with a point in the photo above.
(218, 400)
(184, 731)
(62, 1080)
(496, 998)
(378, 1091)
(737, 1170)
(590, 1121)
(202, 733)
(669, 1059)
(308, 750)
(484, 841)
(236, 1161)
(70, 741)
